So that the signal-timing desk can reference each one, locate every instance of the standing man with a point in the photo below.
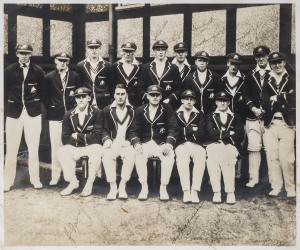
(225, 133)
(204, 82)
(254, 82)
(117, 119)
(61, 84)
(95, 74)
(24, 88)
(126, 71)
(81, 136)
(162, 73)
(181, 52)
(279, 101)
(192, 132)
(154, 133)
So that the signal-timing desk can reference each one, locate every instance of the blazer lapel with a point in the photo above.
(153, 70)
(192, 118)
(159, 112)
(75, 121)
(166, 69)
(181, 117)
(87, 118)
(216, 117)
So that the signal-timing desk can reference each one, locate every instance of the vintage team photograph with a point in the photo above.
(148, 124)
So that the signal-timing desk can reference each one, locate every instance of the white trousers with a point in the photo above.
(55, 130)
(184, 153)
(279, 145)
(152, 149)
(32, 127)
(109, 161)
(221, 158)
(68, 155)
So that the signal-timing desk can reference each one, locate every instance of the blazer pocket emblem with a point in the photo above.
(102, 83)
(71, 93)
(33, 90)
(162, 131)
(168, 87)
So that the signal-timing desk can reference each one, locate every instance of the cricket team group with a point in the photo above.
(170, 110)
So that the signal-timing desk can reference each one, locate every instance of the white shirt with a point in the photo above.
(63, 77)
(232, 80)
(278, 78)
(94, 67)
(262, 72)
(202, 76)
(25, 69)
(180, 66)
(152, 112)
(223, 116)
(81, 114)
(160, 66)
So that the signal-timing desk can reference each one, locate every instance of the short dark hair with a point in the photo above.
(120, 86)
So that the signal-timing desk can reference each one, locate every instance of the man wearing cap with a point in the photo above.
(225, 132)
(254, 81)
(117, 119)
(279, 102)
(24, 90)
(192, 132)
(126, 71)
(204, 82)
(61, 84)
(181, 52)
(95, 73)
(81, 136)
(153, 133)
(163, 73)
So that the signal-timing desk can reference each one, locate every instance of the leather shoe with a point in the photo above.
(217, 197)
(69, 189)
(230, 198)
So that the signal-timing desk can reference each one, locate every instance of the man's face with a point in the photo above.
(278, 66)
(261, 60)
(233, 67)
(154, 98)
(160, 54)
(222, 105)
(82, 101)
(180, 56)
(128, 56)
(120, 96)
(188, 103)
(94, 51)
(201, 64)
(23, 57)
(61, 64)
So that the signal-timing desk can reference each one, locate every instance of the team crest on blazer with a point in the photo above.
(71, 93)
(162, 130)
(168, 87)
(135, 83)
(32, 90)
(102, 83)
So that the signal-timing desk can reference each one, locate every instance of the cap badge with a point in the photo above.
(189, 93)
(260, 50)
(275, 55)
(180, 45)
(236, 57)
(160, 42)
(154, 88)
(222, 94)
(80, 91)
(128, 45)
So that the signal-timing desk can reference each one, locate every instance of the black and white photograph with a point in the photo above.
(148, 125)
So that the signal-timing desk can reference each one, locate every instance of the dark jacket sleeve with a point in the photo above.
(238, 135)
(67, 131)
(142, 84)
(200, 133)
(94, 137)
(106, 133)
(136, 128)
(43, 86)
(177, 84)
(172, 126)
(246, 92)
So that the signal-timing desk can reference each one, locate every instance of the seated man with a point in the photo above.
(81, 136)
(225, 132)
(153, 134)
(117, 118)
(191, 134)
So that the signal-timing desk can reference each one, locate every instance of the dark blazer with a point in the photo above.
(237, 105)
(34, 90)
(87, 134)
(217, 132)
(170, 81)
(60, 98)
(130, 82)
(186, 132)
(102, 88)
(163, 128)
(286, 99)
(109, 122)
(205, 100)
(252, 92)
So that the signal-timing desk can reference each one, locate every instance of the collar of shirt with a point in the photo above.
(174, 61)
(268, 68)
(278, 78)
(99, 60)
(63, 72)
(228, 75)
(114, 104)
(27, 64)
(134, 62)
(84, 112)
(202, 73)
(181, 109)
(226, 112)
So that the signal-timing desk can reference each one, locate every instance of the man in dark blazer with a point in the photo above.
(162, 73)
(279, 102)
(254, 82)
(81, 136)
(117, 118)
(61, 84)
(225, 132)
(153, 133)
(204, 82)
(95, 74)
(24, 91)
(126, 71)
(192, 132)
